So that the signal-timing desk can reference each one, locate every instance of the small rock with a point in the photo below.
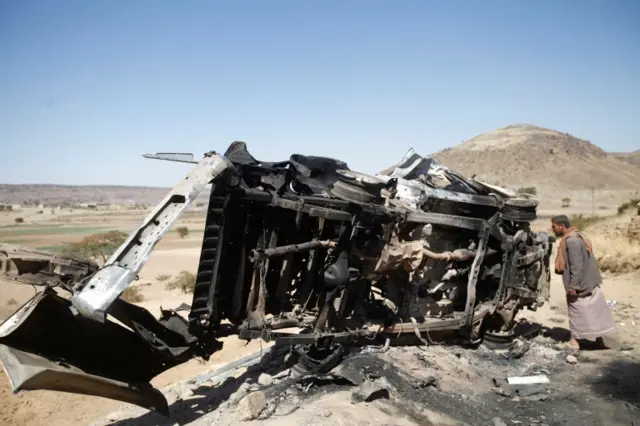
(502, 392)
(464, 362)
(291, 391)
(369, 391)
(571, 359)
(265, 380)
(429, 381)
(268, 411)
(287, 407)
(325, 413)
(240, 393)
(185, 394)
(497, 421)
(252, 405)
(518, 349)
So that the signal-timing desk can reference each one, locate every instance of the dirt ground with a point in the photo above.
(612, 374)
(439, 384)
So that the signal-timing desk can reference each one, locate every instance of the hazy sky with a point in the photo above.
(87, 87)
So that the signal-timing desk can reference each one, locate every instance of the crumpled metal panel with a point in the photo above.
(28, 371)
(44, 346)
(37, 267)
(94, 299)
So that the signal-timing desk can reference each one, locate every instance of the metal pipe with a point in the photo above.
(261, 254)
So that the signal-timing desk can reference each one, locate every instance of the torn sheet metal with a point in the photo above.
(95, 297)
(28, 371)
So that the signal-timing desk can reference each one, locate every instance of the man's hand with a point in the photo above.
(572, 293)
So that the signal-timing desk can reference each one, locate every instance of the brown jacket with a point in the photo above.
(582, 273)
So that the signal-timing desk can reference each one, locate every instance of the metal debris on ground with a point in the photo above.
(528, 380)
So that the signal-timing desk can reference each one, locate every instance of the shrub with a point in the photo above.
(528, 190)
(183, 231)
(582, 222)
(97, 247)
(19, 220)
(634, 203)
(616, 254)
(185, 281)
(132, 295)
(163, 277)
(12, 302)
(566, 202)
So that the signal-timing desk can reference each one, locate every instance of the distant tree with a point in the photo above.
(97, 247)
(185, 281)
(528, 190)
(132, 295)
(566, 202)
(183, 231)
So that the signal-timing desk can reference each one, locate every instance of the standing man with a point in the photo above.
(589, 315)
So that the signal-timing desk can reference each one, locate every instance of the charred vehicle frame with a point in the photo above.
(343, 257)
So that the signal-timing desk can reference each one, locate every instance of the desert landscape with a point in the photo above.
(599, 190)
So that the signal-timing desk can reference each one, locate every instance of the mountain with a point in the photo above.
(527, 155)
(629, 157)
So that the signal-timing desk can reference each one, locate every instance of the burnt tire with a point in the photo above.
(354, 185)
(520, 210)
(501, 341)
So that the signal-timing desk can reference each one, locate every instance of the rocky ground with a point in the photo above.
(433, 385)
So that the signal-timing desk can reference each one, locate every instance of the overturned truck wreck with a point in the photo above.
(343, 257)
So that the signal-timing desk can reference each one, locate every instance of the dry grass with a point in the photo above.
(163, 277)
(185, 281)
(616, 254)
(132, 295)
(182, 231)
(583, 222)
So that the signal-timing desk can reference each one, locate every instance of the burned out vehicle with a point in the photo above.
(342, 257)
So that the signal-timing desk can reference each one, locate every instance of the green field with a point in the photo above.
(51, 230)
(55, 249)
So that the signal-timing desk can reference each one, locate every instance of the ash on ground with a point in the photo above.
(409, 385)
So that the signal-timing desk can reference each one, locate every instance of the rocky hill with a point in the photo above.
(629, 157)
(514, 156)
(526, 155)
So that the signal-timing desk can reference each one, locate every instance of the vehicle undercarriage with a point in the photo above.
(343, 257)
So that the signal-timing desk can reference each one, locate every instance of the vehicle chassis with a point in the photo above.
(283, 247)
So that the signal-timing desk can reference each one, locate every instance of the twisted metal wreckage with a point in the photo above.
(304, 243)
